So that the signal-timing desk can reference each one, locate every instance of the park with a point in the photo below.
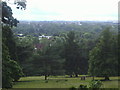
(71, 54)
(61, 82)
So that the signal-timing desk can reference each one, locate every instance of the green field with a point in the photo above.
(61, 82)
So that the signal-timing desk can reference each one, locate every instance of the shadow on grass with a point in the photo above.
(24, 81)
(29, 81)
(108, 80)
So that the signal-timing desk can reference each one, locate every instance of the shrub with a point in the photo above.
(82, 86)
(16, 71)
(57, 81)
(95, 84)
(73, 88)
(66, 80)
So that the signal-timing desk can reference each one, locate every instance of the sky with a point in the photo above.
(68, 10)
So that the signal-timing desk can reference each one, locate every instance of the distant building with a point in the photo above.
(43, 36)
(20, 35)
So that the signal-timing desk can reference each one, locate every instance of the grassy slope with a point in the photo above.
(60, 82)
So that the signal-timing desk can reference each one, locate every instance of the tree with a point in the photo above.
(103, 60)
(11, 71)
(72, 55)
(10, 42)
(6, 77)
(7, 15)
(47, 60)
(86, 42)
(25, 53)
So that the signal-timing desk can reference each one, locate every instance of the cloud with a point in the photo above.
(68, 10)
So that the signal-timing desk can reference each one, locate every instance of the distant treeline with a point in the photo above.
(36, 28)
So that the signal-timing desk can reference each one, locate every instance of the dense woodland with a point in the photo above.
(58, 48)
(68, 40)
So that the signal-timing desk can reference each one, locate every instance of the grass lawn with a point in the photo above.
(61, 82)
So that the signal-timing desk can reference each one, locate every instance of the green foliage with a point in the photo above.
(11, 71)
(16, 70)
(56, 28)
(82, 86)
(9, 41)
(20, 4)
(103, 59)
(72, 88)
(25, 49)
(71, 54)
(95, 84)
(6, 71)
(66, 80)
(86, 36)
(44, 60)
(7, 15)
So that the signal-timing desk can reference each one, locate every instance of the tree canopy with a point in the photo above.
(103, 57)
(11, 71)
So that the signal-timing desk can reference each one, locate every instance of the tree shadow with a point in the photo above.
(24, 81)
(28, 81)
(109, 80)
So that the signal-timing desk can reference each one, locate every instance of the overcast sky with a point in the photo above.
(41, 10)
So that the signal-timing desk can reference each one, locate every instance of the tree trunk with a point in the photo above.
(106, 78)
(45, 77)
(70, 75)
(93, 78)
(76, 75)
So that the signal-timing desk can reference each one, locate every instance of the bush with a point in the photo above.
(82, 86)
(16, 70)
(95, 84)
(66, 80)
(73, 88)
(57, 81)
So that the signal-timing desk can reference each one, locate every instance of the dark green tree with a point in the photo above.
(103, 58)
(25, 52)
(50, 62)
(6, 77)
(10, 42)
(72, 55)
(7, 15)
(11, 71)
(86, 41)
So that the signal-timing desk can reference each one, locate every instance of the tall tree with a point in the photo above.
(11, 71)
(71, 54)
(10, 42)
(103, 60)
(47, 58)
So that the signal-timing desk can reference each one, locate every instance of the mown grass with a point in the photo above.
(61, 82)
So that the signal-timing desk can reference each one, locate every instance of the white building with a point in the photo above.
(43, 36)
